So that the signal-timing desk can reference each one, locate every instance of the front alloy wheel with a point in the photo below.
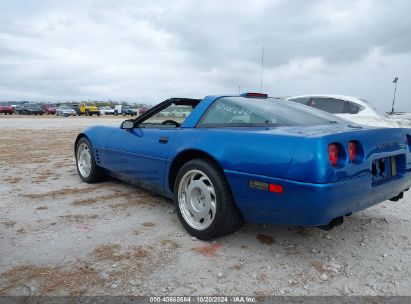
(87, 168)
(84, 160)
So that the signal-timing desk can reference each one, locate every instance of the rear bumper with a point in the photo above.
(306, 204)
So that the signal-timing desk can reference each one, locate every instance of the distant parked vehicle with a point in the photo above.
(142, 110)
(179, 112)
(6, 109)
(106, 111)
(354, 109)
(65, 111)
(75, 107)
(49, 108)
(31, 109)
(124, 110)
(18, 109)
(88, 110)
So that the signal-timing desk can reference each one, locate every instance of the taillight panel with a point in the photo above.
(337, 155)
(352, 151)
(333, 154)
(355, 151)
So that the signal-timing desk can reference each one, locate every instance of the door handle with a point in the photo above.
(163, 140)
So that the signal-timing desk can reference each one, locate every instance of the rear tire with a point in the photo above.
(204, 201)
(87, 168)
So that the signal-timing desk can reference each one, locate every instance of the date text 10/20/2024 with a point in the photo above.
(174, 299)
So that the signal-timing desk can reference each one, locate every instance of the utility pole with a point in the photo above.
(262, 70)
(395, 81)
(239, 90)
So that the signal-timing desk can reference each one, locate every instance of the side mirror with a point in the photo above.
(127, 124)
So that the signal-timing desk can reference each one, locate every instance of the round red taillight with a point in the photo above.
(333, 154)
(352, 150)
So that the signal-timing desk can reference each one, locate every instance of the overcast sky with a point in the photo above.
(147, 51)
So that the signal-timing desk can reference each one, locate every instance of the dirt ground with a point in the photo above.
(59, 236)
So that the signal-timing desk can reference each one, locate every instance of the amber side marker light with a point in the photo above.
(266, 187)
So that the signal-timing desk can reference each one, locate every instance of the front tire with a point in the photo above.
(87, 168)
(204, 202)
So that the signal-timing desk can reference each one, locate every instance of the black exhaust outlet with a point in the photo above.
(397, 198)
(334, 223)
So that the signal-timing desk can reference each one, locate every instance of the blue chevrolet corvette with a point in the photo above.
(229, 159)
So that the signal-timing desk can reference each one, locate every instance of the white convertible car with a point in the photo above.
(350, 108)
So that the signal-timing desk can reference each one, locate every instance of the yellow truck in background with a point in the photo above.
(88, 110)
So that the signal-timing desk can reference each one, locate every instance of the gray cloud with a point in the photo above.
(148, 51)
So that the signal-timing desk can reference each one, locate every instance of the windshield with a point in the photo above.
(239, 111)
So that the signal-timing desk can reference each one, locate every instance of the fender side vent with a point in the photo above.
(97, 155)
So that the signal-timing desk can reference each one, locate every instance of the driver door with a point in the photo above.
(140, 154)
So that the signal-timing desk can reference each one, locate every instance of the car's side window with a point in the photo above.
(352, 108)
(330, 105)
(302, 100)
(170, 117)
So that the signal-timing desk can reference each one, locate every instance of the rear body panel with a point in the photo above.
(308, 204)
(296, 158)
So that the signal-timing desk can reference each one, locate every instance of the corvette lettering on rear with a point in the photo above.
(385, 146)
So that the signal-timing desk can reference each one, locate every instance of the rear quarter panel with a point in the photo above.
(252, 151)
